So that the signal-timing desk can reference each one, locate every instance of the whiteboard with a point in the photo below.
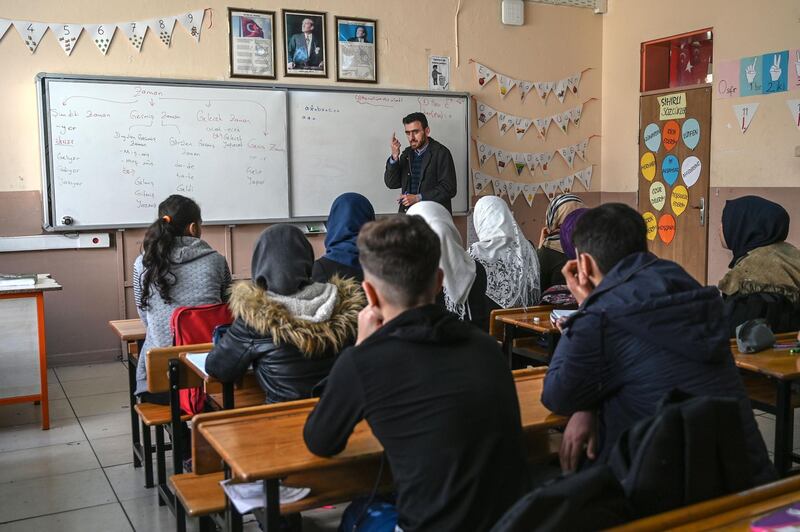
(117, 149)
(340, 143)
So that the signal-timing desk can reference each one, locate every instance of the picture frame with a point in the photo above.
(251, 43)
(356, 49)
(304, 44)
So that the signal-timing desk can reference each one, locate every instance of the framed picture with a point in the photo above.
(304, 44)
(356, 52)
(252, 43)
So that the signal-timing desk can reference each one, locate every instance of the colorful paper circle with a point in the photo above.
(690, 170)
(658, 195)
(670, 169)
(666, 228)
(691, 133)
(648, 165)
(672, 132)
(679, 199)
(652, 225)
(652, 137)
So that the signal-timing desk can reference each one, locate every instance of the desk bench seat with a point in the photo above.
(242, 397)
(154, 415)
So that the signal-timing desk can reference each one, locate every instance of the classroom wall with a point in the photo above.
(760, 161)
(554, 42)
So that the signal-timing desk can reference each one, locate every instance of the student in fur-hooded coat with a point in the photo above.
(287, 326)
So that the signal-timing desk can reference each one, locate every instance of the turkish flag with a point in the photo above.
(250, 28)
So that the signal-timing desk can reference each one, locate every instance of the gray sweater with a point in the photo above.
(202, 277)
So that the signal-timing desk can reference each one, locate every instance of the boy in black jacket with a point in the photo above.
(436, 392)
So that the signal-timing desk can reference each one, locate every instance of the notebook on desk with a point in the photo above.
(198, 360)
(17, 279)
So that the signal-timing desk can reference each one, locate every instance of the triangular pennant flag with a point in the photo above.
(794, 108)
(484, 74)
(533, 161)
(568, 153)
(485, 152)
(502, 159)
(581, 147)
(524, 88)
(561, 89)
(744, 114)
(479, 181)
(163, 27)
(521, 125)
(4, 25)
(575, 114)
(573, 81)
(544, 160)
(541, 125)
(585, 177)
(550, 188)
(561, 121)
(101, 34)
(193, 22)
(529, 191)
(519, 162)
(566, 183)
(505, 122)
(485, 113)
(514, 190)
(31, 32)
(67, 35)
(506, 84)
(499, 186)
(134, 31)
(543, 88)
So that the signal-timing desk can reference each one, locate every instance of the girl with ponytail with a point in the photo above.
(176, 269)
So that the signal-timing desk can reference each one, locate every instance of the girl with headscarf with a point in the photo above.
(559, 294)
(287, 326)
(551, 253)
(349, 213)
(764, 276)
(464, 286)
(512, 268)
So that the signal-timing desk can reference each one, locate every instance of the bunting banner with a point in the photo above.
(585, 177)
(524, 88)
(485, 152)
(580, 149)
(543, 89)
(499, 186)
(502, 159)
(541, 125)
(514, 190)
(67, 35)
(566, 183)
(529, 191)
(101, 35)
(506, 84)
(575, 114)
(544, 160)
(505, 122)
(4, 25)
(573, 81)
(485, 113)
(135, 31)
(163, 27)
(521, 126)
(479, 181)
(484, 74)
(561, 122)
(531, 160)
(519, 162)
(561, 87)
(192, 22)
(568, 154)
(550, 187)
(31, 32)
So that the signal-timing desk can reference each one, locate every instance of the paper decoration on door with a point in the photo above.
(519, 162)
(726, 78)
(691, 133)
(794, 67)
(499, 186)
(485, 113)
(4, 25)
(484, 74)
(794, 109)
(193, 23)
(505, 122)
(524, 88)
(67, 35)
(670, 168)
(561, 90)
(550, 188)
(651, 224)
(568, 154)
(543, 89)
(658, 195)
(506, 84)
(101, 35)
(744, 114)
(652, 137)
(529, 191)
(585, 177)
(679, 199)
(31, 32)
(485, 152)
(135, 31)
(521, 126)
(648, 165)
(690, 170)
(479, 181)
(514, 190)
(502, 159)
(666, 228)
(163, 27)
(672, 132)
(541, 126)
(672, 106)
(750, 80)
(775, 73)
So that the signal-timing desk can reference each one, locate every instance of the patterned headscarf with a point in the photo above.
(558, 209)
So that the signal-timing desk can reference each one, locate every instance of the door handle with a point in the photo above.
(702, 209)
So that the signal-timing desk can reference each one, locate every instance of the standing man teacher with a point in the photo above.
(424, 170)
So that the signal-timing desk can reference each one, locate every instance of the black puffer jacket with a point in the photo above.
(289, 355)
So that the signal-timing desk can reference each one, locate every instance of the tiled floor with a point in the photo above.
(79, 475)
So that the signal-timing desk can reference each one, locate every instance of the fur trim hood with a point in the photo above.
(252, 304)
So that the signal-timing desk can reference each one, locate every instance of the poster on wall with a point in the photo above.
(439, 73)
(304, 44)
(252, 50)
(355, 50)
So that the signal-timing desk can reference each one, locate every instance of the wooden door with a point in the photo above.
(674, 165)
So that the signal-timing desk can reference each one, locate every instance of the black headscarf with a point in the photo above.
(751, 222)
(282, 260)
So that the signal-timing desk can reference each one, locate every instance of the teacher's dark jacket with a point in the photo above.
(438, 179)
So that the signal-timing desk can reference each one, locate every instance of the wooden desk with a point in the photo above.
(268, 446)
(131, 332)
(533, 322)
(780, 368)
(23, 350)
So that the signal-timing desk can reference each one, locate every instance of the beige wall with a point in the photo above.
(554, 42)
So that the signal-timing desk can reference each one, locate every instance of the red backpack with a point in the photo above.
(195, 325)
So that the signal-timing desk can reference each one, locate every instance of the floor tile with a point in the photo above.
(54, 389)
(97, 386)
(40, 462)
(766, 424)
(107, 403)
(323, 519)
(128, 482)
(147, 516)
(41, 496)
(106, 425)
(30, 436)
(28, 413)
(105, 518)
(114, 450)
(90, 371)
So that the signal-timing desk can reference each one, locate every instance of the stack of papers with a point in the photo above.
(17, 279)
(557, 315)
(249, 496)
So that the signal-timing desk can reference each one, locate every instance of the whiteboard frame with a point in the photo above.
(43, 97)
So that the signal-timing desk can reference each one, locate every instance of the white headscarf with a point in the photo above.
(458, 266)
(512, 267)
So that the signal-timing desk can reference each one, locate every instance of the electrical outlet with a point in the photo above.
(513, 12)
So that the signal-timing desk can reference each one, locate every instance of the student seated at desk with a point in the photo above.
(559, 295)
(764, 279)
(349, 213)
(644, 327)
(286, 325)
(464, 286)
(551, 252)
(436, 392)
(176, 269)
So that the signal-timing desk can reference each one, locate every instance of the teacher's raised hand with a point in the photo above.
(395, 147)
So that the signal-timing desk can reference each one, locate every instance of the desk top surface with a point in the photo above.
(44, 283)
(128, 330)
(777, 363)
(270, 445)
(526, 320)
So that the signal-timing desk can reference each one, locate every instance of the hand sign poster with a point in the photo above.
(776, 71)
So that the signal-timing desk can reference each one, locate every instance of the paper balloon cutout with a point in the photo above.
(672, 131)
(670, 169)
(666, 228)
(690, 170)
(658, 195)
(648, 165)
(691, 133)
(652, 137)
(652, 225)
(679, 199)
